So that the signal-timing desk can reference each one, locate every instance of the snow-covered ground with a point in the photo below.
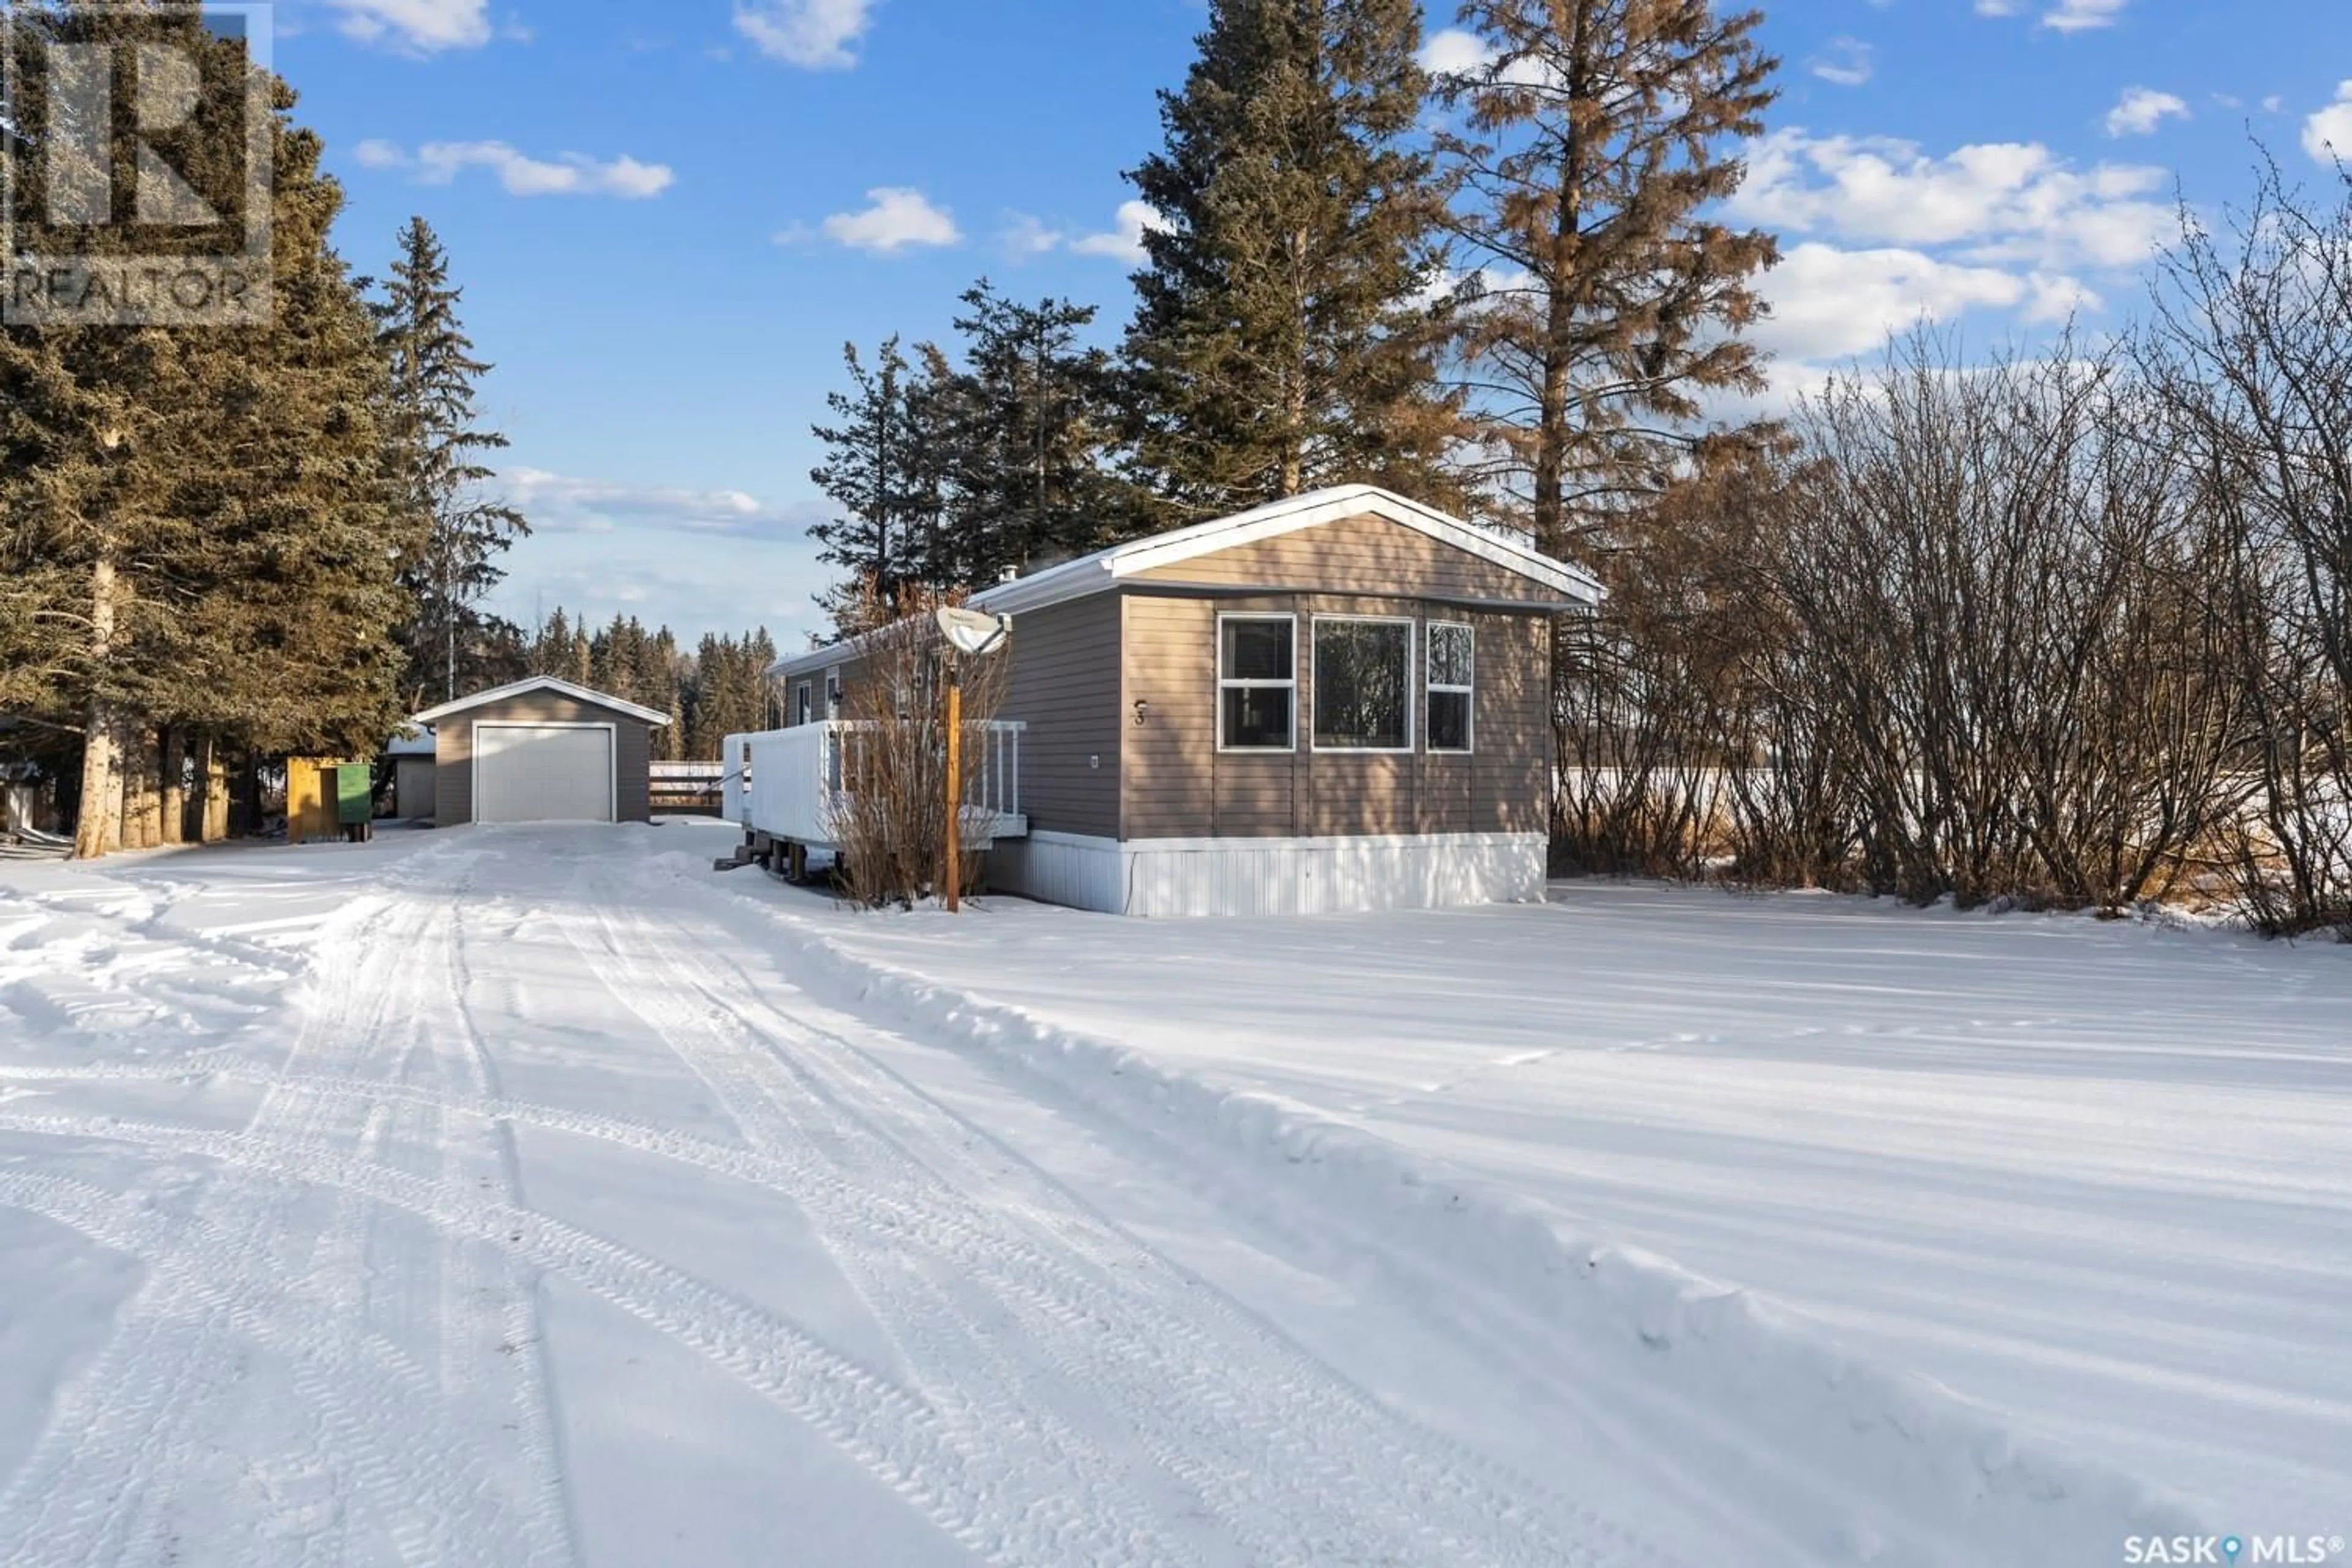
(2096, 1177)
(542, 1196)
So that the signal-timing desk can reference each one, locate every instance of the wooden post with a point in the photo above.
(955, 785)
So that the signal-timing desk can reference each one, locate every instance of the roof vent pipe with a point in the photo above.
(1010, 575)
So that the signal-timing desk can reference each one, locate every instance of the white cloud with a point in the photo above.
(2274, 104)
(2001, 201)
(896, 218)
(1829, 303)
(422, 25)
(571, 174)
(1453, 52)
(1028, 236)
(2080, 15)
(1847, 62)
(1124, 242)
(2327, 135)
(560, 503)
(2065, 17)
(2141, 109)
(815, 34)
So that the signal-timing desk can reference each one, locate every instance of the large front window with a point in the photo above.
(1257, 682)
(1363, 685)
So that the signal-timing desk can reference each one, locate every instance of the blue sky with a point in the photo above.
(668, 217)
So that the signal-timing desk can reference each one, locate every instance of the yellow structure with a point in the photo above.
(311, 800)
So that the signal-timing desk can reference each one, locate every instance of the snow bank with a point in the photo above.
(1925, 1477)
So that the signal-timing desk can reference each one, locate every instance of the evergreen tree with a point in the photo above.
(879, 470)
(434, 455)
(550, 647)
(936, 462)
(288, 604)
(1283, 337)
(199, 539)
(1034, 419)
(1596, 133)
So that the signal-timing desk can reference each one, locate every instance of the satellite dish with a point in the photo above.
(971, 632)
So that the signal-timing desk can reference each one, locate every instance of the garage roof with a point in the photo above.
(541, 683)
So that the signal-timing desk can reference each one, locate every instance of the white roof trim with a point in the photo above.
(1098, 572)
(1105, 569)
(541, 683)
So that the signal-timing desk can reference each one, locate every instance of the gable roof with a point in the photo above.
(540, 683)
(1106, 569)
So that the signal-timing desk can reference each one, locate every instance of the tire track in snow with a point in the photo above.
(1041, 1475)
(486, 1299)
(1053, 1346)
(419, 1475)
(134, 1431)
(896, 1437)
(1147, 1340)
(98, 1487)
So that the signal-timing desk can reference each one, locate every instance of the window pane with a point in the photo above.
(1449, 720)
(1364, 684)
(1257, 717)
(1449, 654)
(1257, 650)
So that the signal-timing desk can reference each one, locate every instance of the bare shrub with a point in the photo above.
(890, 819)
(2005, 620)
(2251, 355)
(2072, 628)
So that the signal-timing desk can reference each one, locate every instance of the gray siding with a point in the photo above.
(454, 752)
(1064, 683)
(1178, 786)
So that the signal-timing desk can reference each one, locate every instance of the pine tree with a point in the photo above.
(550, 647)
(880, 471)
(285, 630)
(204, 546)
(1034, 418)
(1283, 337)
(434, 455)
(1594, 137)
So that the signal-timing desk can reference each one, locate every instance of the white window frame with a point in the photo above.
(836, 698)
(1217, 666)
(1411, 676)
(804, 702)
(1429, 687)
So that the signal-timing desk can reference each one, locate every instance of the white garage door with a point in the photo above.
(543, 772)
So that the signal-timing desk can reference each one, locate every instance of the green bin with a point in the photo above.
(354, 787)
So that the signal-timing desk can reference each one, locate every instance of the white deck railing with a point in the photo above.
(790, 784)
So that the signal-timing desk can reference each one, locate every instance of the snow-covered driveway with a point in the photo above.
(499, 1199)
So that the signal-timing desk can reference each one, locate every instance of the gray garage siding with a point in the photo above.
(454, 752)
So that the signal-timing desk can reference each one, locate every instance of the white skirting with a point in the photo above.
(1162, 877)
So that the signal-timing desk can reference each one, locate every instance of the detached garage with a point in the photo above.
(541, 749)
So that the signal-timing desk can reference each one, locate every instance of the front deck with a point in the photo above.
(791, 785)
